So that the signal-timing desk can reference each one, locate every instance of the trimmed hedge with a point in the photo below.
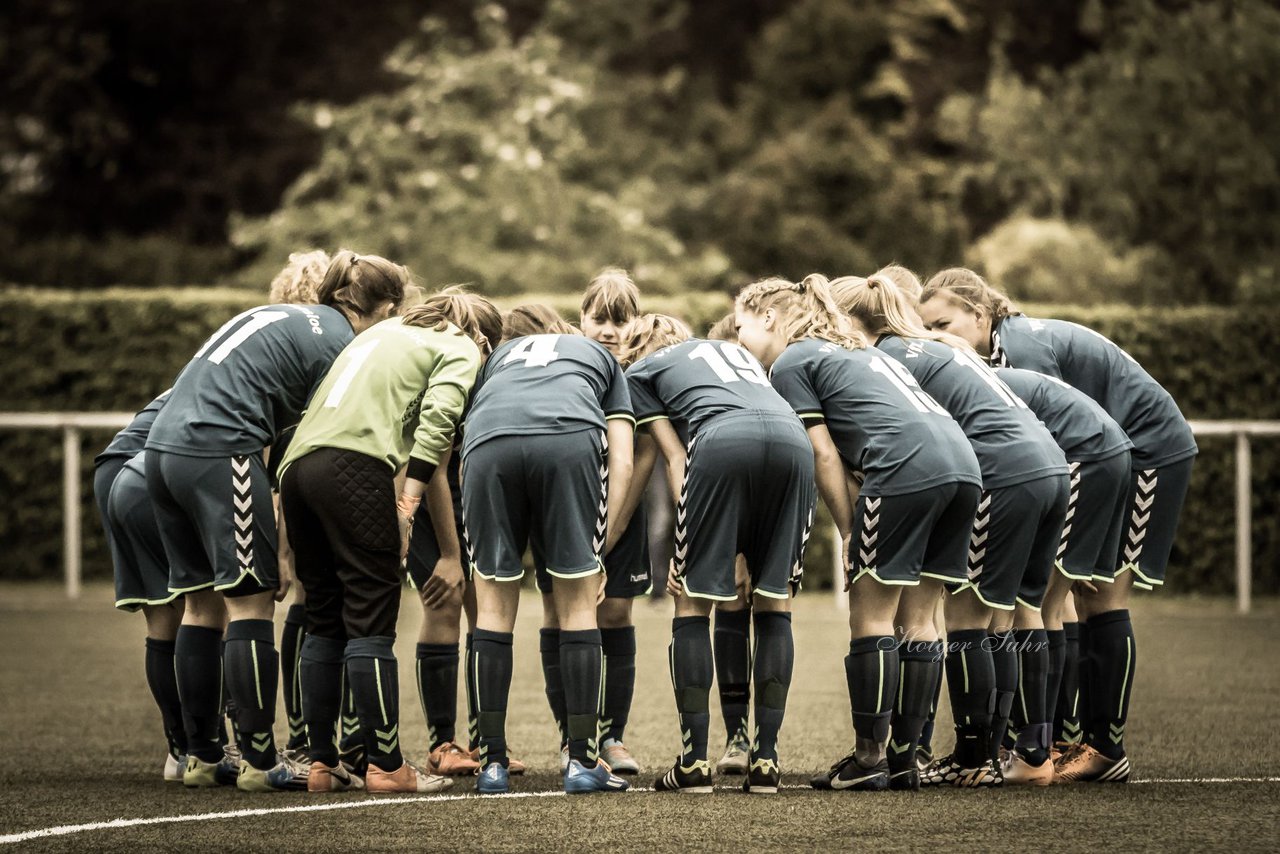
(115, 349)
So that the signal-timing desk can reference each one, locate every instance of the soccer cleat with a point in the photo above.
(494, 779)
(297, 755)
(618, 758)
(205, 775)
(564, 759)
(1017, 771)
(322, 778)
(514, 766)
(693, 780)
(174, 766)
(905, 781)
(849, 774)
(580, 780)
(283, 776)
(763, 776)
(736, 757)
(450, 760)
(947, 772)
(407, 778)
(1087, 765)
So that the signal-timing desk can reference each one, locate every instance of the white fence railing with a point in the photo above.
(73, 423)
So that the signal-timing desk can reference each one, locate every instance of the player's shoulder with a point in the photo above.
(804, 352)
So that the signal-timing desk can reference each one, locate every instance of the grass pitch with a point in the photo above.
(81, 744)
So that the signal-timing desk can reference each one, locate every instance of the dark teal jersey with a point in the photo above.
(542, 384)
(1090, 362)
(883, 424)
(1083, 429)
(694, 381)
(1011, 444)
(250, 380)
(133, 438)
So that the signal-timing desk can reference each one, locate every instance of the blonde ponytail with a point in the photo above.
(878, 304)
(474, 315)
(971, 290)
(806, 309)
(649, 333)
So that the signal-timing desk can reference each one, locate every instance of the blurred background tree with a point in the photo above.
(1081, 151)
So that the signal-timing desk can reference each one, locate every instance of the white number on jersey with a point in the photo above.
(356, 357)
(256, 320)
(969, 360)
(904, 382)
(536, 351)
(730, 362)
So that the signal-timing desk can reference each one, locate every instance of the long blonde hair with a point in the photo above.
(648, 333)
(906, 280)
(534, 318)
(806, 309)
(967, 287)
(878, 304)
(478, 318)
(298, 282)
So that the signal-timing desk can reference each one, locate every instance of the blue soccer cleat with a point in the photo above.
(494, 779)
(580, 780)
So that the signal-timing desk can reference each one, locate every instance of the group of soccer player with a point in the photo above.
(1000, 484)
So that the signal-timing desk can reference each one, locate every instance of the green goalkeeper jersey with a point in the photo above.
(395, 393)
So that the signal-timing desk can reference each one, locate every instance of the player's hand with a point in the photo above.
(406, 529)
(287, 578)
(445, 585)
(675, 584)
(1083, 585)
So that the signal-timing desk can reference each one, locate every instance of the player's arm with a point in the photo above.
(446, 581)
(673, 451)
(620, 433)
(829, 472)
(646, 453)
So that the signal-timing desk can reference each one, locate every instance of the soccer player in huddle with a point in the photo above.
(392, 399)
(724, 434)
(546, 461)
(961, 302)
(1015, 534)
(212, 499)
(910, 517)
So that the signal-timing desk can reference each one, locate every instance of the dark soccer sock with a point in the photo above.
(163, 681)
(1004, 658)
(197, 660)
(553, 679)
(1030, 706)
(469, 681)
(580, 664)
(871, 672)
(691, 675)
(1053, 682)
(775, 660)
(253, 678)
(320, 684)
(375, 682)
(1066, 718)
(1114, 657)
(919, 663)
(438, 690)
(926, 734)
(971, 684)
(230, 728)
(732, 647)
(352, 744)
(1084, 680)
(492, 651)
(291, 639)
(618, 645)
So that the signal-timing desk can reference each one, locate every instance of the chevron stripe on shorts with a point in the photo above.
(242, 500)
(1144, 496)
(978, 539)
(1074, 471)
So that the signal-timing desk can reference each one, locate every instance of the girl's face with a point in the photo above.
(943, 314)
(601, 329)
(760, 334)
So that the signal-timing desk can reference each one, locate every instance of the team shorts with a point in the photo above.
(1015, 540)
(424, 550)
(216, 520)
(548, 492)
(748, 488)
(340, 514)
(899, 538)
(137, 552)
(1152, 507)
(1095, 517)
(627, 571)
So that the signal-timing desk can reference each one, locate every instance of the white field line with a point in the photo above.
(120, 823)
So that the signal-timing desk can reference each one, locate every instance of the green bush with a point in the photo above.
(115, 349)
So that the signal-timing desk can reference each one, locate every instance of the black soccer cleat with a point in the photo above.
(694, 779)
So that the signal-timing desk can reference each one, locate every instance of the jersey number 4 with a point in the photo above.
(536, 351)
(730, 363)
